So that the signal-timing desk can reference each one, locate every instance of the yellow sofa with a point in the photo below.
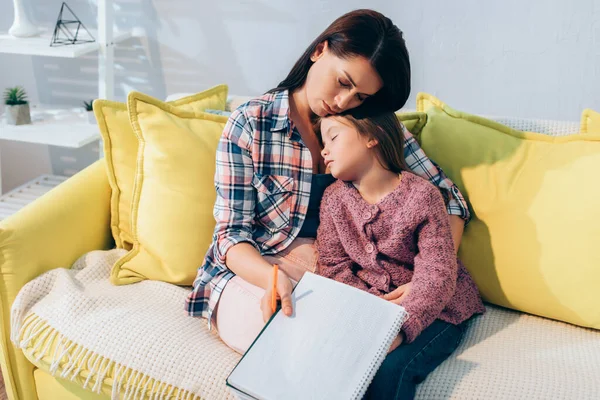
(505, 354)
(52, 232)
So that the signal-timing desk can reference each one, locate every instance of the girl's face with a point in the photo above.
(347, 154)
(334, 84)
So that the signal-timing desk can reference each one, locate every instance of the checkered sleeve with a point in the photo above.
(234, 206)
(420, 164)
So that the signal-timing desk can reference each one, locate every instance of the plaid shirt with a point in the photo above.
(263, 180)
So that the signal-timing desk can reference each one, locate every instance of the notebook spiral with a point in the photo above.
(381, 354)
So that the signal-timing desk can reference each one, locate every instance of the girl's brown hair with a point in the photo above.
(385, 129)
(368, 34)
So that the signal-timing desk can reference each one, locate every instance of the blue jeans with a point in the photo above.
(409, 364)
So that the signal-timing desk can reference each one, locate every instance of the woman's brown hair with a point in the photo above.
(369, 34)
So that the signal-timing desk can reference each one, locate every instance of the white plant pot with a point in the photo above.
(18, 115)
(91, 117)
(22, 27)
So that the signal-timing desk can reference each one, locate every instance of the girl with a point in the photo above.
(383, 227)
(269, 172)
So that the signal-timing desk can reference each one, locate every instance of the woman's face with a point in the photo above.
(334, 84)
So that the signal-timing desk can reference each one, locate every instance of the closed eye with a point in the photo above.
(360, 97)
(344, 84)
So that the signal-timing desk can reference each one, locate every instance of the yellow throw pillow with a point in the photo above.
(174, 194)
(413, 121)
(533, 242)
(120, 151)
(590, 122)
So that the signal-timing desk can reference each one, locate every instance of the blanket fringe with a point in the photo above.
(66, 359)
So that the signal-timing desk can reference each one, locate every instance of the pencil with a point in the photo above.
(274, 291)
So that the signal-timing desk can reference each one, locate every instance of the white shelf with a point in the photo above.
(18, 198)
(40, 45)
(55, 127)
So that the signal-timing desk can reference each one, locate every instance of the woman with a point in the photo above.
(270, 175)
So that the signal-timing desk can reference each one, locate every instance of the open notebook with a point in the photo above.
(330, 348)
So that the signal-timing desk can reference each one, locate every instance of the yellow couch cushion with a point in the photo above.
(49, 387)
(590, 121)
(174, 194)
(413, 121)
(120, 150)
(533, 242)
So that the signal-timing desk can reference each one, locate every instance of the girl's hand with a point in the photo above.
(397, 342)
(398, 294)
(284, 292)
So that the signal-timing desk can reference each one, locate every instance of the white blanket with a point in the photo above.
(140, 333)
(143, 327)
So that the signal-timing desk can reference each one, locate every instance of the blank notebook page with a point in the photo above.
(330, 348)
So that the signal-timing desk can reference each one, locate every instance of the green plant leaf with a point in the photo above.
(88, 105)
(15, 96)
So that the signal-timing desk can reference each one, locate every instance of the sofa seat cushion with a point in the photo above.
(507, 354)
(136, 341)
(49, 387)
(122, 341)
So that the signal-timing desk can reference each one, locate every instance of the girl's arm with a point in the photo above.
(435, 268)
(334, 262)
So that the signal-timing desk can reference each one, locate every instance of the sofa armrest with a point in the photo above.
(51, 232)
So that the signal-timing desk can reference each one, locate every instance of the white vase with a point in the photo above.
(91, 117)
(18, 114)
(22, 26)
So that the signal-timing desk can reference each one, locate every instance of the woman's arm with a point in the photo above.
(245, 261)
(420, 164)
(234, 211)
(457, 227)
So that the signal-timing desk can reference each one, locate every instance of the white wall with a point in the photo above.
(527, 58)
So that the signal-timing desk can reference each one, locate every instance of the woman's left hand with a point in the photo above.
(396, 296)
(457, 226)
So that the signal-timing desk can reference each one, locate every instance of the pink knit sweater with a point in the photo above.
(403, 238)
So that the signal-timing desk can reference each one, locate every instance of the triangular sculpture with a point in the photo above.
(69, 31)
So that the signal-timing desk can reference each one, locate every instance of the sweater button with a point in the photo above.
(367, 215)
(369, 248)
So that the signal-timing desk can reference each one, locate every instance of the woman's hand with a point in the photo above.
(457, 226)
(284, 293)
(396, 296)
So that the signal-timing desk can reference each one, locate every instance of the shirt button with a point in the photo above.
(369, 248)
(367, 215)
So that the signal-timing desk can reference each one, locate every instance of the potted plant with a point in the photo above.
(17, 107)
(88, 106)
